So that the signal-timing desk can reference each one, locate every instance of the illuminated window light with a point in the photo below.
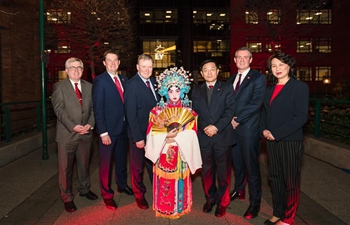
(209, 14)
(247, 12)
(106, 43)
(69, 13)
(168, 11)
(147, 14)
(194, 11)
(269, 13)
(309, 18)
(222, 14)
(318, 13)
(167, 16)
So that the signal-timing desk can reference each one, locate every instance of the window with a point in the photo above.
(216, 47)
(323, 45)
(274, 16)
(63, 46)
(304, 45)
(272, 45)
(162, 51)
(217, 17)
(314, 16)
(322, 71)
(159, 16)
(254, 44)
(58, 16)
(251, 17)
(314, 12)
(304, 73)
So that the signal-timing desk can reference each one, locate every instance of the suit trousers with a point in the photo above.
(137, 163)
(115, 152)
(216, 163)
(284, 173)
(67, 153)
(245, 159)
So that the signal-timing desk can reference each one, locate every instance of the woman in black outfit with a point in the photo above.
(285, 111)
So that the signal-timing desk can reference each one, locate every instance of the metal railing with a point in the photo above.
(20, 118)
(330, 119)
(327, 118)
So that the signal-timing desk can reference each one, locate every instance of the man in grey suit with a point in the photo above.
(72, 103)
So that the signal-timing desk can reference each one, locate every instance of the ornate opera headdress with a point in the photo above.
(174, 77)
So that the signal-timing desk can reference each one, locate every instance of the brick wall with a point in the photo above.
(20, 60)
(20, 51)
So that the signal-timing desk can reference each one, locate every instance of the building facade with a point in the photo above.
(184, 33)
(311, 31)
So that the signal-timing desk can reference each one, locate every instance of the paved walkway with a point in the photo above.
(29, 195)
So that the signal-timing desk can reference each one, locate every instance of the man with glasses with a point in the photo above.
(72, 103)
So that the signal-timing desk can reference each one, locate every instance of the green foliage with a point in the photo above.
(335, 121)
(342, 90)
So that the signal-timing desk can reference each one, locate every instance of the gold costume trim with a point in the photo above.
(170, 116)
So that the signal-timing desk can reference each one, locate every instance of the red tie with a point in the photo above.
(148, 84)
(238, 83)
(119, 87)
(78, 93)
(211, 86)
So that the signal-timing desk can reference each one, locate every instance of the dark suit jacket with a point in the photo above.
(69, 112)
(108, 106)
(218, 113)
(248, 102)
(288, 112)
(139, 101)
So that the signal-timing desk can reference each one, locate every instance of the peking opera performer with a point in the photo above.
(172, 145)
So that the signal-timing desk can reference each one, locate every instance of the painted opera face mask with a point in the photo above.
(174, 94)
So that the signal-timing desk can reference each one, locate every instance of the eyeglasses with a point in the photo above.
(79, 68)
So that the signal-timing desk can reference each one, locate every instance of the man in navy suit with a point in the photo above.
(140, 98)
(250, 86)
(214, 102)
(108, 103)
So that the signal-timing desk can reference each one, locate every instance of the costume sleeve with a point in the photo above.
(189, 147)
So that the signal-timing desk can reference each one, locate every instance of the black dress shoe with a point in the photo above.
(90, 195)
(110, 204)
(70, 207)
(142, 203)
(220, 211)
(208, 207)
(252, 212)
(269, 222)
(126, 190)
(236, 194)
